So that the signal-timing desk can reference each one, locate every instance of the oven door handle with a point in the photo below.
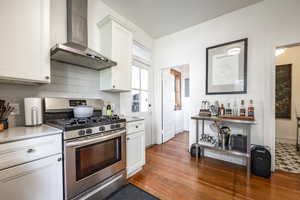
(78, 142)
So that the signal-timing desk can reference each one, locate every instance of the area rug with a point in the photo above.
(287, 158)
(130, 192)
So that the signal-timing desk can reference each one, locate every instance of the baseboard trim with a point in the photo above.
(286, 140)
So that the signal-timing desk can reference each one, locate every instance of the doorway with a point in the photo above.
(175, 101)
(287, 111)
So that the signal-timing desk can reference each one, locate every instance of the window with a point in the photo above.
(140, 79)
(177, 89)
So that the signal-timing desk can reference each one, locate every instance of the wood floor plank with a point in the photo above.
(171, 173)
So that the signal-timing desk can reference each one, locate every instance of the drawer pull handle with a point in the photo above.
(136, 126)
(59, 159)
(30, 150)
(128, 138)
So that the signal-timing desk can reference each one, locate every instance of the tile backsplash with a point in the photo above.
(66, 81)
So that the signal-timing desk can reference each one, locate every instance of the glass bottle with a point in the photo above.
(228, 110)
(235, 111)
(251, 109)
(222, 110)
(242, 109)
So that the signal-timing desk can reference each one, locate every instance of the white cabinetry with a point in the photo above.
(41, 179)
(116, 44)
(25, 40)
(135, 147)
(32, 169)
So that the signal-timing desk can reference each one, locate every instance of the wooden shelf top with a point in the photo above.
(217, 119)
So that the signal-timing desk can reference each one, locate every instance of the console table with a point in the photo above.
(245, 123)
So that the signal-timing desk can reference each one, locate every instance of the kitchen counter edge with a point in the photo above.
(23, 133)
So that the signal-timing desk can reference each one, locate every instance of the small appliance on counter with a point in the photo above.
(33, 111)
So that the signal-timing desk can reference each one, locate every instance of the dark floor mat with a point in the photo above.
(130, 192)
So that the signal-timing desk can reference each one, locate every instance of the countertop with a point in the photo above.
(133, 119)
(22, 133)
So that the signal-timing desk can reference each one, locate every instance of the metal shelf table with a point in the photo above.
(245, 123)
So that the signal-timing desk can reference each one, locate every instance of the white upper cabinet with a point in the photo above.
(116, 44)
(25, 40)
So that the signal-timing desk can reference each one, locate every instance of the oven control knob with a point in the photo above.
(81, 132)
(112, 126)
(101, 128)
(89, 131)
(118, 125)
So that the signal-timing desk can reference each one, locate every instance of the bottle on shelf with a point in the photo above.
(228, 110)
(235, 110)
(251, 109)
(222, 110)
(242, 109)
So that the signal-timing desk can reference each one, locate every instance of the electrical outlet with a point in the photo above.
(16, 109)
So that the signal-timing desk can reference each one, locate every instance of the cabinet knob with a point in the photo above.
(59, 159)
(136, 126)
(114, 86)
(30, 150)
(47, 77)
(128, 138)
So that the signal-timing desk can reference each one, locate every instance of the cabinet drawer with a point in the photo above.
(133, 127)
(19, 152)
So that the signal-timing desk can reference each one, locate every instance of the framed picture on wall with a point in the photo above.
(283, 95)
(226, 68)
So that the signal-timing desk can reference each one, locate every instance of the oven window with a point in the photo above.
(95, 157)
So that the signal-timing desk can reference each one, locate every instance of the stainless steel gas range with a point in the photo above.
(94, 149)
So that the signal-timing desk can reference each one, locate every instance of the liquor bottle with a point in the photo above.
(222, 110)
(228, 110)
(235, 110)
(242, 109)
(251, 109)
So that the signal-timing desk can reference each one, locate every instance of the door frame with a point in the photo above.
(273, 96)
(161, 113)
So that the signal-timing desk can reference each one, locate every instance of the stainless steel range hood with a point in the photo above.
(75, 51)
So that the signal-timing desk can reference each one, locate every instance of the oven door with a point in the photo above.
(92, 159)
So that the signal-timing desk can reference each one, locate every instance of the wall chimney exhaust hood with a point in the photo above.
(75, 51)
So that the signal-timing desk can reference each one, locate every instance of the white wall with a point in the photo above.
(267, 24)
(286, 129)
(185, 100)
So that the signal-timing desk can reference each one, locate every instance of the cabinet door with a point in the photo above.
(122, 54)
(135, 152)
(38, 180)
(25, 40)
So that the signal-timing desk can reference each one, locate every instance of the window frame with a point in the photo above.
(146, 65)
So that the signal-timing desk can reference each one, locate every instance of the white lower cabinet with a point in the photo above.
(135, 152)
(37, 180)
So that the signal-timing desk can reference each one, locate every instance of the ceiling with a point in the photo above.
(163, 17)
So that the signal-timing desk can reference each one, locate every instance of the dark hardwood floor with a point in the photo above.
(170, 173)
